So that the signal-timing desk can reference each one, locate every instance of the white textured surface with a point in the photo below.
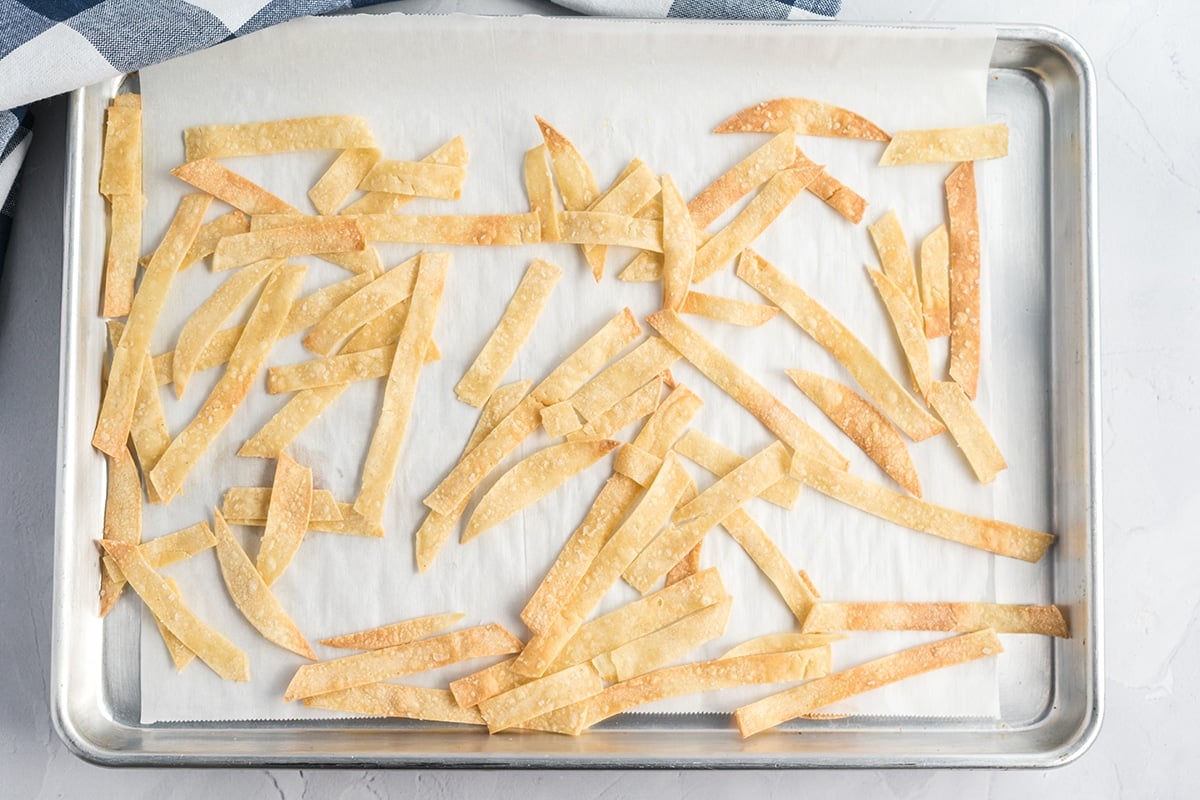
(1148, 74)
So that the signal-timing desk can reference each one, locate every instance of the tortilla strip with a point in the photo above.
(202, 325)
(227, 186)
(209, 234)
(219, 653)
(122, 518)
(782, 643)
(148, 428)
(121, 259)
(121, 159)
(420, 179)
(687, 566)
(540, 696)
(364, 305)
(986, 534)
(637, 404)
(357, 261)
(906, 322)
(959, 617)
(560, 419)
(621, 378)
(863, 424)
(597, 227)
(539, 186)
(606, 513)
(453, 153)
(383, 456)
(809, 697)
(515, 325)
(720, 461)
(180, 655)
(248, 357)
(843, 345)
(574, 176)
(797, 593)
(169, 549)
(342, 178)
(723, 371)
(894, 255)
(630, 192)
(330, 235)
(117, 407)
(776, 195)
(396, 662)
(679, 246)
(336, 370)
(288, 513)
(726, 309)
(277, 136)
(803, 116)
(489, 682)
(395, 634)
(946, 145)
(835, 194)
(964, 277)
(289, 421)
(671, 643)
(935, 283)
(968, 429)
(745, 176)
(392, 700)
(351, 523)
(464, 229)
(435, 530)
(253, 502)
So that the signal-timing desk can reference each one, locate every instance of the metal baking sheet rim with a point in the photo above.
(84, 725)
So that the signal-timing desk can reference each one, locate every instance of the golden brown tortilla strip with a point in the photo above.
(782, 643)
(288, 513)
(396, 662)
(907, 323)
(946, 145)
(342, 178)
(121, 259)
(357, 261)
(122, 518)
(843, 345)
(617, 381)
(835, 194)
(170, 549)
(289, 421)
(463, 229)
(863, 424)
(227, 186)
(452, 153)
(744, 177)
(814, 695)
(599, 228)
(776, 195)
(277, 136)
(167, 605)
(935, 283)
(679, 246)
(383, 456)
(803, 116)
(488, 682)
(539, 185)
(252, 349)
(515, 325)
(992, 535)
(336, 370)
(148, 428)
(738, 384)
(686, 567)
(574, 176)
(393, 700)
(180, 655)
(121, 158)
(395, 634)
(964, 277)
(540, 696)
(720, 461)
(671, 643)
(894, 255)
(726, 309)
(329, 235)
(417, 178)
(637, 404)
(959, 617)
(117, 407)
(968, 429)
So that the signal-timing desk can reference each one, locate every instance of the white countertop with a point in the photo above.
(1148, 69)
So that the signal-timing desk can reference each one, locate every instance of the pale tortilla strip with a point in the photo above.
(393, 700)
(464, 229)
(416, 178)
(935, 283)
(726, 309)
(803, 116)
(329, 235)
(384, 331)
(342, 178)
(679, 246)
(986, 534)
(453, 152)
(121, 259)
(122, 518)
(863, 424)
(227, 186)
(650, 358)
(560, 384)
(395, 634)
(724, 371)
(637, 404)
(720, 461)
(277, 136)
(252, 349)
(396, 662)
(287, 518)
(617, 553)
(776, 195)
(372, 300)
(180, 655)
(574, 176)
(560, 419)
(336, 370)
(958, 617)
(629, 193)
(537, 697)
(539, 185)
(843, 345)
(906, 321)
(968, 429)
(533, 478)
(351, 523)
(964, 277)
(946, 145)
(706, 511)
(252, 596)
(209, 234)
(606, 513)
(169, 549)
(835, 194)
(219, 653)
(121, 158)
(148, 428)
(892, 247)
(598, 227)
(289, 421)
(436, 528)
(782, 643)
(515, 325)
(809, 697)
(117, 407)
(253, 502)
(671, 643)
(202, 325)
(357, 261)
(489, 682)
(383, 456)
(636, 464)
(793, 586)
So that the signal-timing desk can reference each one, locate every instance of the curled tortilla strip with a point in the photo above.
(397, 633)
(804, 116)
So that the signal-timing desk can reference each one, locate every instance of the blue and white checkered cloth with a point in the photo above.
(53, 46)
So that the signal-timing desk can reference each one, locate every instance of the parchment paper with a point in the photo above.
(619, 89)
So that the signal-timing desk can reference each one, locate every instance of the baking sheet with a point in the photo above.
(421, 81)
